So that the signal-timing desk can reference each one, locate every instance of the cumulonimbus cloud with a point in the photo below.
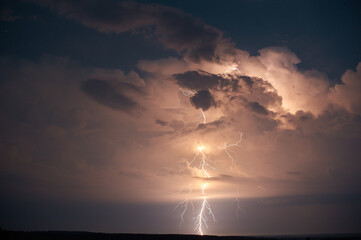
(282, 108)
(197, 42)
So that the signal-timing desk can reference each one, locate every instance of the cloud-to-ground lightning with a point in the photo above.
(201, 219)
(238, 207)
(183, 206)
(204, 164)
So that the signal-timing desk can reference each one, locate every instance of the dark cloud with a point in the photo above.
(161, 122)
(332, 120)
(296, 173)
(175, 29)
(211, 125)
(226, 178)
(257, 108)
(304, 116)
(105, 93)
(255, 94)
(197, 80)
(202, 99)
(247, 80)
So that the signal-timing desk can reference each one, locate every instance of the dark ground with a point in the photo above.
(56, 235)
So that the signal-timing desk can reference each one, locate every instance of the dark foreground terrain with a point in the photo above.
(56, 235)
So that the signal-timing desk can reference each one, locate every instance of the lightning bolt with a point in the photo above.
(238, 207)
(187, 93)
(204, 117)
(225, 147)
(183, 206)
(204, 164)
(201, 218)
(231, 70)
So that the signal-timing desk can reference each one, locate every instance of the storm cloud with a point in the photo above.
(271, 128)
(107, 94)
(202, 99)
(175, 29)
(197, 80)
(257, 108)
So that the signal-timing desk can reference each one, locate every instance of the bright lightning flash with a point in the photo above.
(204, 163)
(201, 219)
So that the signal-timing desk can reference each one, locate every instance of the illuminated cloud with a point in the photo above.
(347, 94)
(281, 109)
(300, 90)
(110, 135)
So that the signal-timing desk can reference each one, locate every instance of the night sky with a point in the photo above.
(129, 116)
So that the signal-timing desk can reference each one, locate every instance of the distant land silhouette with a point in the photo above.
(64, 235)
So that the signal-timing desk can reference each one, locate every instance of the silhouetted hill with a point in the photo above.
(61, 235)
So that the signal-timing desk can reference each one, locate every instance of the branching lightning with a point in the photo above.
(226, 147)
(238, 207)
(183, 206)
(204, 163)
(189, 93)
(202, 218)
(205, 212)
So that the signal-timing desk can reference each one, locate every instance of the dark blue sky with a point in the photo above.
(325, 35)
